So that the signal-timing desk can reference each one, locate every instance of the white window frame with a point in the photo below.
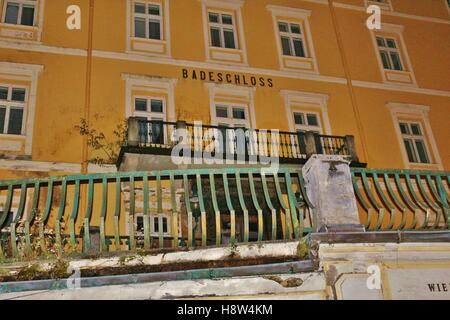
(387, 30)
(154, 218)
(390, 50)
(291, 37)
(153, 85)
(301, 17)
(21, 4)
(155, 47)
(221, 26)
(14, 104)
(230, 121)
(234, 8)
(239, 95)
(306, 102)
(28, 73)
(414, 138)
(156, 116)
(307, 127)
(148, 17)
(417, 114)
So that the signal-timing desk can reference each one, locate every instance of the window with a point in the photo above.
(147, 21)
(414, 142)
(160, 221)
(390, 54)
(418, 148)
(292, 39)
(151, 109)
(307, 121)
(20, 12)
(156, 221)
(12, 109)
(222, 30)
(232, 116)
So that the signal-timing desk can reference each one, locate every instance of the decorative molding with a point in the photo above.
(310, 100)
(289, 12)
(246, 93)
(166, 85)
(387, 13)
(400, 88)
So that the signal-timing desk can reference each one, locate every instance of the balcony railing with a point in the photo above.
(200, 207)
(159, 137)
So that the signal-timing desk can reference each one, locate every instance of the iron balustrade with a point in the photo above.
(152, 210)
(229, 142)
(403, 199)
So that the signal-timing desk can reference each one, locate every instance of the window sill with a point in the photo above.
(399, 77)
(383, 6)
(19, 26)
(15, 136)
(424, 166)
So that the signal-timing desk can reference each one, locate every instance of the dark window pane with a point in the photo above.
(153, 10)
(221, 112)
(215, 37)
(312, 120)
(391, 43)
(286, 46)
(295, 28)
(18, 94)
(410, 151)
(15, 121)
(213, 17)
(239, 114)
(420, 145)
(396, 61)
(298, 46)
(140, 105)
(229, 39)
(140, 223)
(283, 27)
(139, 28)
(298, 118)
(404, 128)
(165, 225)
(227, 19)
(143, 130)
(139, 8)
(385, 59)
(2, 119)
(157, 106)
(27, 16)
(3, 93)
(415, 128)
(12, 13)
(155, 30)
(380, 42)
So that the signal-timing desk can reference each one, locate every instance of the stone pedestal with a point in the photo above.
(329, 187)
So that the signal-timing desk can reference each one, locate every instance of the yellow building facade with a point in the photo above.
(291, 65)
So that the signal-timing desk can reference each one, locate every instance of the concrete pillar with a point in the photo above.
(133, 138)
(329, 187)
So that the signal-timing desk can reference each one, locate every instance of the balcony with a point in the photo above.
(240, 145)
